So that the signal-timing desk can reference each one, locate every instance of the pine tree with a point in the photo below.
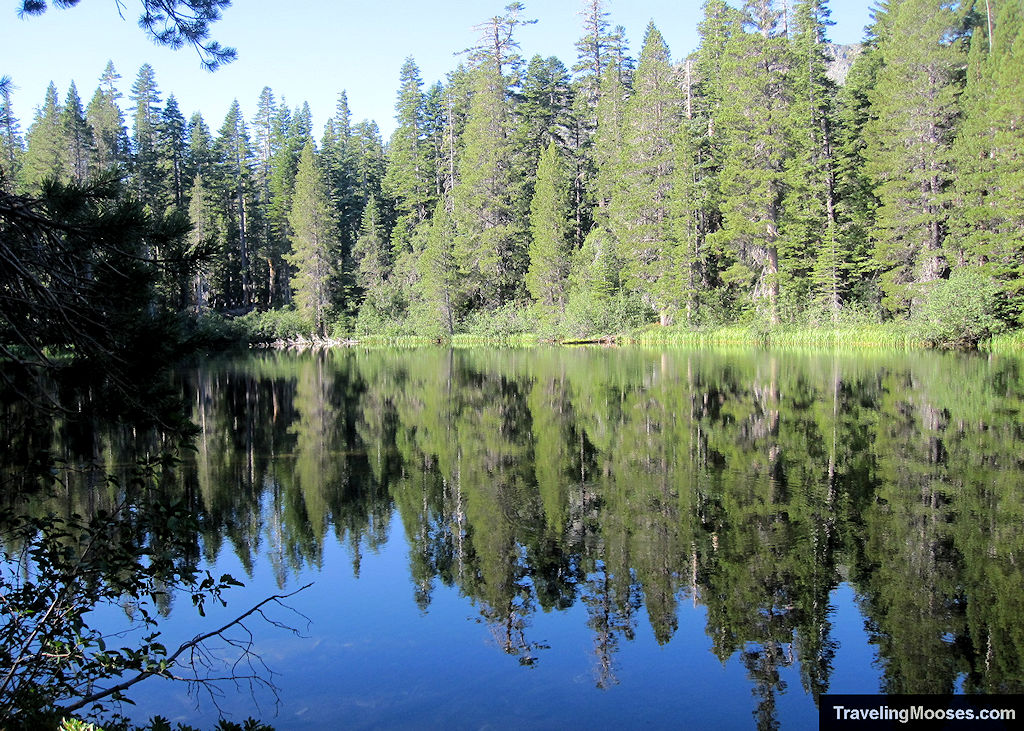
(688, 207)
(695, 196)
(370, 163)
(233, 173)
(290, 131)
(597, 263)
(593, 58)
(372, 258)
(437, 288)
(497, 47)
(172, 145)
(77, 136)
(608, 139)
(12, 147)
(550, 229)
(273, 238)
(202, 237)
(145, 126)
(199, 156)
(913, 109)
(263, 144)
(543, 115)
(640, 217)
(314, 252)
(856, 201)
(753, 114)
(593, 50)
(46, 153)
(811, 260)
(408, 180)
(339, 158)
(489, 248)
(110, 137)
(455, 102)
(434, 119)
(985, 229)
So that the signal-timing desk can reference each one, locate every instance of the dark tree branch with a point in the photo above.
(171, 23)
(196, 645)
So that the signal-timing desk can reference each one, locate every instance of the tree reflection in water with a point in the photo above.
(749, 483)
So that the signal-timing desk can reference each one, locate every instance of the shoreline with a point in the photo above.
(868, 337)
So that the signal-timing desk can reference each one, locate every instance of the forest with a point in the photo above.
(739, 185)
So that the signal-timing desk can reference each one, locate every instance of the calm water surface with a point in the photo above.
(606, 538)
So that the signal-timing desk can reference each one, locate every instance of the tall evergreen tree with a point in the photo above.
(145, 126)
(290, 131)
(913, 110)
(202, 236)
(698, 145)
(372, 258)
(339, 158)
(437, 288)
(172, 145)
(455, 102)
(598, 263)
(234, 189)
(543, 114)
(370, 163)
(408, 179)
(77, 137)
(273, 234)
(812, 263)
(264, 141)
(433, 129)
(497, 46)
(550, 254)
(314, 252)
(986, 229)
(46, 153)
(640, 216)
(593, 50)
(608, 150)
(199, 156)
(856, 201)
(104, 115)
(12, 147)
(489, 247)
(753, 119)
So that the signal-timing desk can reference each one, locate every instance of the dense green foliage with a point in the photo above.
(740, 184)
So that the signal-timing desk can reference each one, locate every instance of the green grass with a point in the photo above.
(1011, 343)
(846, 335)
(890, 336)
(518, 340)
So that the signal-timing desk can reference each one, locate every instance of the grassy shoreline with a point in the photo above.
(885, 337)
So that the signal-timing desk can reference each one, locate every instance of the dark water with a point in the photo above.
(603, 538)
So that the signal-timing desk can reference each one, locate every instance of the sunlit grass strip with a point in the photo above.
(394, 341)
(518, 340)
(860, 336)
(1011, 343)
(732, 335)
(461, 340)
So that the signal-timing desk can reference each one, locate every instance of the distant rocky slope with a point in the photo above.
(843, 56)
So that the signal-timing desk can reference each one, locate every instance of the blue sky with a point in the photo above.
(310, 50)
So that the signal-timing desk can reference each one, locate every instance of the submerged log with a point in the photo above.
(604, 340)
(303, 343)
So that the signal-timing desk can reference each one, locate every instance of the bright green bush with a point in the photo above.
(959, 312)
(282, 324)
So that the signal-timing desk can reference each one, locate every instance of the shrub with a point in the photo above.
(959, 312)
(283, 324)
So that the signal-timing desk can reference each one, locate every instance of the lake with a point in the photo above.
(599, 537)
